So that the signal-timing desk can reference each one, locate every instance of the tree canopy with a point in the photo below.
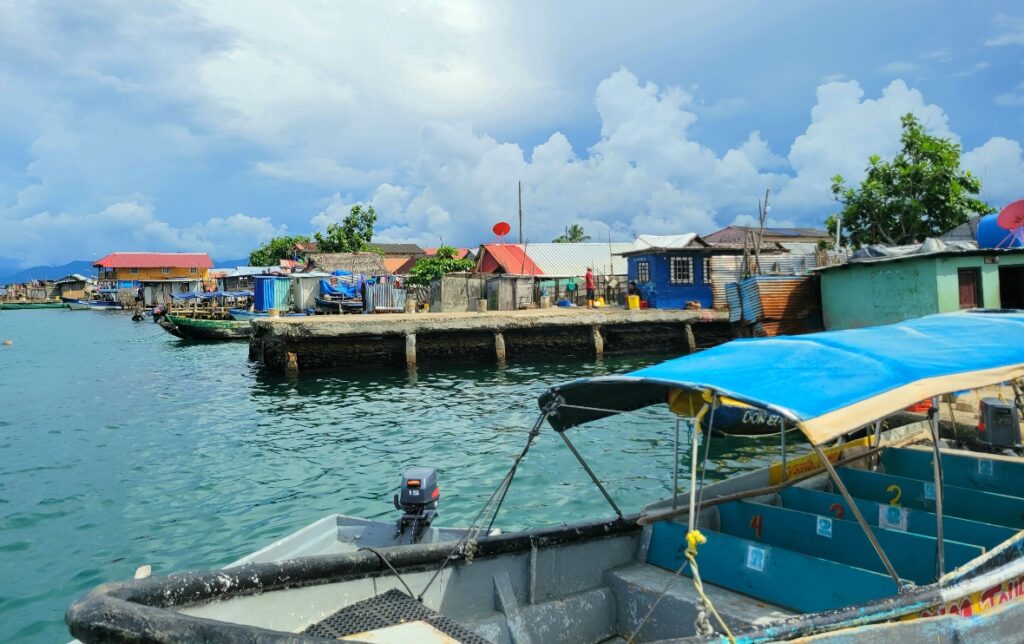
(573, 235)
(352, 235)
(921, 193)
(278, 248)
(427, 269)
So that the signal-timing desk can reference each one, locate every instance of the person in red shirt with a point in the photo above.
(589, 277)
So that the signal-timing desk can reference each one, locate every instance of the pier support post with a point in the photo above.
(292, 366)
(691, 343)
(410, 349)
(595, 332)
(499, 346)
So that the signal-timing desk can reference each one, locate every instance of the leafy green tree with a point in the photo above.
(352, 235)
(573, 235)
(428, 269)
(921, 193)
(275, 250)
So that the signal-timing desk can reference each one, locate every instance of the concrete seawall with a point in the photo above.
(318, 343)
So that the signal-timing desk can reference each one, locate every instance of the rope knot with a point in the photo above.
(694, 538)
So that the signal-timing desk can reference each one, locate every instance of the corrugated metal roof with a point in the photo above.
(572, 260)
(509, 257)
(397, 249)
(155, 260)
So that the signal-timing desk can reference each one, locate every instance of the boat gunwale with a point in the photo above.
(139, 608)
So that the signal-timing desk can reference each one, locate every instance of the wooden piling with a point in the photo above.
(410, 349)
(691, 343)
(292, 366)
(595, 332)
(499, 346)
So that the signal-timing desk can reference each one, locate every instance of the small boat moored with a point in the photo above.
(19, 306)
(195, 329)
(889, 536)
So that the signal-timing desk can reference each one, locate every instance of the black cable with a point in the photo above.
(388, 564)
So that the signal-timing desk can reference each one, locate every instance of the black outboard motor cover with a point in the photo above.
(417, 499)
(419, 490)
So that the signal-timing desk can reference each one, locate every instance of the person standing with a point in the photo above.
(589, 279)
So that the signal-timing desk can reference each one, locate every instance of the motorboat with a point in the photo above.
(871, 535)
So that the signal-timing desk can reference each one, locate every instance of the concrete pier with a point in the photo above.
(300, 344)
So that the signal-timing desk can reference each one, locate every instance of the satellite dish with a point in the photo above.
(1011, 218)
(501, 228)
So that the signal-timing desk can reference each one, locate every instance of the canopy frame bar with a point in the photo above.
(590, 472)
(827, 464)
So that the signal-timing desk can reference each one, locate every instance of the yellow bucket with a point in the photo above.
(633, 302)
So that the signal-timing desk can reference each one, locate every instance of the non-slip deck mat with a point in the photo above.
(388, 609)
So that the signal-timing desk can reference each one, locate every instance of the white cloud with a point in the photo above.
(1012, 98)
(53, 238)
(938, 55)
(999, 163)
(845, 130)
(1012, 32)
(899, 67)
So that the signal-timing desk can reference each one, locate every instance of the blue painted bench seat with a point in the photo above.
(985, 535)
(987, 474)
(778, 576)
(987, 507)
(912, 555)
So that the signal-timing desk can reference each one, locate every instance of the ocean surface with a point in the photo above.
(122, 446)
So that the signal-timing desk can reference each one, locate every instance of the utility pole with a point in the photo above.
(520, 212)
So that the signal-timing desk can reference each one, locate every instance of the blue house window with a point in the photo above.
(680, 270)
(707, 270)
(643, 271)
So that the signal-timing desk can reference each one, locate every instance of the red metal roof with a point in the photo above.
(509, 258)
(155, 260)
(461, 254)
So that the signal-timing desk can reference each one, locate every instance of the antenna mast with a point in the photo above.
(520, 212)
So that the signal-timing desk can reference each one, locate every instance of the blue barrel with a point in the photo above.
(992, 235)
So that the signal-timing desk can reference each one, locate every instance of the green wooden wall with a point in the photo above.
(860, 295)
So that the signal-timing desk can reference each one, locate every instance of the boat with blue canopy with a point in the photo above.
(873, 534)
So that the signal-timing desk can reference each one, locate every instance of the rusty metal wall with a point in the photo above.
(384, 296)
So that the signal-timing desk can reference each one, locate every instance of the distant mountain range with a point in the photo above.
(10, 273)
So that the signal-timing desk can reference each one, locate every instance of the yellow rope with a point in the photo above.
(694, 538)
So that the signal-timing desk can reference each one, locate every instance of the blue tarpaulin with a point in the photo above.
(830, 383)
(343, 289)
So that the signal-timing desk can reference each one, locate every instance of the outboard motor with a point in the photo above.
(417, 499)
(998, 425)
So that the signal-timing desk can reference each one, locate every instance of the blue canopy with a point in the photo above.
(829, 383)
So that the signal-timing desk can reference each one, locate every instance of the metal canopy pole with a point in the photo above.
(827, 464)
(785, 469)
(579, 458)
(675, 471)
(933, 424)
(694, 448)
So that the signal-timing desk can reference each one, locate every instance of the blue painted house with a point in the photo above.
(671, 270)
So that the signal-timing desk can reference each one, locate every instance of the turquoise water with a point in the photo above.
(122, 446)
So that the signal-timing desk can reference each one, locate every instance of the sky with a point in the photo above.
(215, 125)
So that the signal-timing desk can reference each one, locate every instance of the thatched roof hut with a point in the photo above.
(356, 263)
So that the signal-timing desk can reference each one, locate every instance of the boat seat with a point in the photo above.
(637, 586)
(913, 555)
(892, 517)
(997, 474)
(916, 494)
(775, 575)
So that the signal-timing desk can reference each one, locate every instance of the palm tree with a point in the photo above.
(573, 235)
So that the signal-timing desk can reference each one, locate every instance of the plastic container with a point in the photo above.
(633, 302)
